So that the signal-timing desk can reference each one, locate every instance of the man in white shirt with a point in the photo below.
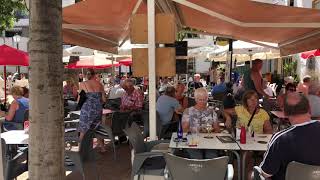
(116, 92)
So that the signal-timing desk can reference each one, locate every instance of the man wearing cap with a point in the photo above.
(196, 82)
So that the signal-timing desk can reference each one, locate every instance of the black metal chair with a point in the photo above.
(13, 167)
(113, 104)
(83, 155)
(296, 170)
(145, 162)
(189, 169)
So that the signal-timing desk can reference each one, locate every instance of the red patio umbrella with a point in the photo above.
(10, 56)
(126, 62)
(307, 54)
(92, 62)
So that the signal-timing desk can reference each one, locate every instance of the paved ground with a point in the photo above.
(107, 167)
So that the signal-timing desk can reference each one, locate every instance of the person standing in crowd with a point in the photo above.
(196, 82)
(91, 110)
(132, 100)
(219, 88)
(197, 118)
(17, 110)
(164, 83)
(260, 123)
(213, 75)
(116, 91)
(167, 105)
(314, 99)
(9, 77)
(253, 78)
(287, 80)
(80, 77)
(304, 86)
(299, 143)
(70, 90)
(180, 96)
(290, 88)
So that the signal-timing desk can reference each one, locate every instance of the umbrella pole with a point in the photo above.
(5, 83)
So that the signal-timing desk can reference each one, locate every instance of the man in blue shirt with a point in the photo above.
(299, 143)
(219, 88)
(167, 104)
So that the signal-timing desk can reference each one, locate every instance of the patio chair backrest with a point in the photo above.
(135, 138)
(86, 146)
(296, 170)
(190, 169)
(12, 168)
(4, 154)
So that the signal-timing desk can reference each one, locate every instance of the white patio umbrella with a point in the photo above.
(241, 51)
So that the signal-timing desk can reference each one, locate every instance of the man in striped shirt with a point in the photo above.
(299, 143)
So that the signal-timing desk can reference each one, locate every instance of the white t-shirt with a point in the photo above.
(116, 92)
(269, 91)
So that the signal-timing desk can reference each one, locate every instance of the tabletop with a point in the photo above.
(205, 143)
(15, 137)
(279, 114)
(257, 143)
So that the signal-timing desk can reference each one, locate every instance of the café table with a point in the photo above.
(258, 143)
(15, 137)
(209, 143)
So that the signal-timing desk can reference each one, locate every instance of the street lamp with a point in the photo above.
(16, 39)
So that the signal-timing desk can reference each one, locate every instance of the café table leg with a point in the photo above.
(244, 173)
(238, 163)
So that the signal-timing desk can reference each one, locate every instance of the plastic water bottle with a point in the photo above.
(180, 131)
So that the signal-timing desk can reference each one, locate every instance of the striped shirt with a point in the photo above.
(300, 143)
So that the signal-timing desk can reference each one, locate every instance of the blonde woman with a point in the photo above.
(16, 115)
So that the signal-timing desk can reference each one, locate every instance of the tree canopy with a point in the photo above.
(8, 11)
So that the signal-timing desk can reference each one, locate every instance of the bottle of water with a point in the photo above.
(180, 130)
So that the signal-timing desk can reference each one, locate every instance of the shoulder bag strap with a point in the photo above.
(254, 112)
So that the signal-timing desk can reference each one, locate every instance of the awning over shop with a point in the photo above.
(104, 24)
(294, 29)
(99, 24)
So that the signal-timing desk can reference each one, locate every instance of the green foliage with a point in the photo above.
(183, 34)
(290, 68)
(8, 10)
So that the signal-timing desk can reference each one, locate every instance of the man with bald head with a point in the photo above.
(299, 143)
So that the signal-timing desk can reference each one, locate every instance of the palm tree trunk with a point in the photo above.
(46, 143)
